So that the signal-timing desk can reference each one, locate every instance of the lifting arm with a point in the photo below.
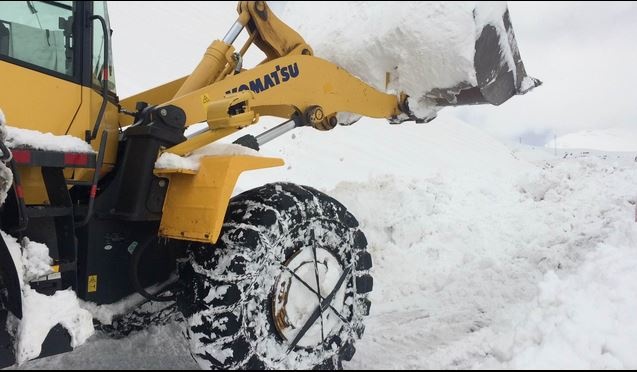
(273, 37)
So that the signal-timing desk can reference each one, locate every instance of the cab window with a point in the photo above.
(38, 33)
(99, 8)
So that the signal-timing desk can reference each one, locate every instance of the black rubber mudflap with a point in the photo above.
(58, 341)
(6, 343)
(10, 281)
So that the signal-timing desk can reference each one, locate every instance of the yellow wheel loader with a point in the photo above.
(275, 277)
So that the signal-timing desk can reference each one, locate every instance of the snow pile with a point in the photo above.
(422, 44)
(41, 313)
(457, 259)
(33, 139)
(372, 149)
(192, 161)
(566, 330)
(609, 139)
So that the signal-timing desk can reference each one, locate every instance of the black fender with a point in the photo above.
(11, 281)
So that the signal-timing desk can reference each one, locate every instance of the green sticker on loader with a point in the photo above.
(131, 247)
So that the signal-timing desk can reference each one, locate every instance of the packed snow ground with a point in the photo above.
(484, 256)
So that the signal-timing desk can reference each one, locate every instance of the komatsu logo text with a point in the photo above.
(278, 76)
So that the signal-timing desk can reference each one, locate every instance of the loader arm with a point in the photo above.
(289, 82)
(282, 88)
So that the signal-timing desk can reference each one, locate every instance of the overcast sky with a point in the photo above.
(584, 52)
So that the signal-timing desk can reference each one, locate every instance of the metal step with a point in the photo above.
(47, 211)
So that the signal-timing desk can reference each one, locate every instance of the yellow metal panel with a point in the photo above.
(34, 100)
(45, 103)
(196, 204)
(33, 185)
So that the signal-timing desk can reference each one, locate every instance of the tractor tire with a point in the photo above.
(250, 299)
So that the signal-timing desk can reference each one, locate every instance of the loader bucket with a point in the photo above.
(499, 70)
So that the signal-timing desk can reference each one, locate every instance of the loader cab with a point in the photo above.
(52, 58)
(49, 37)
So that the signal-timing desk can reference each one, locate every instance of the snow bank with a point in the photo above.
(566, 330)
(422, 44)
(457, 259)
(192, 161)
(608, 139)
(372, 148)
(18, 138)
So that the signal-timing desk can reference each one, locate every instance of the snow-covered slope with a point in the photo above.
(484, 273)
(610, 139)
(374, 147)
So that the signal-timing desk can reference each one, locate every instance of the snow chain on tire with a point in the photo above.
(229, 300)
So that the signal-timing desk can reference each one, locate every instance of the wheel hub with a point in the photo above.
(307, 279)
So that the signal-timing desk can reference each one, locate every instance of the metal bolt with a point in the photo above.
(162, 183)
(163, 112)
